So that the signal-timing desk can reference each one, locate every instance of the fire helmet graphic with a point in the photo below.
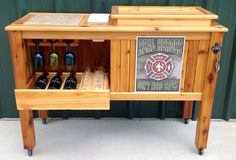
(159, 67)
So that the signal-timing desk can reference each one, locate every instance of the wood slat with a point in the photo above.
(115, 65)
(125, 63)
(191, 65)
(201, 66)
(49, 44)
(190, 76)
(162, 23)
(119, 96)
(111, 35)
(184, 67)
(132, 65)
(111, 28)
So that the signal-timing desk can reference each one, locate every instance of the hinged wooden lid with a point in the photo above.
(162, 16)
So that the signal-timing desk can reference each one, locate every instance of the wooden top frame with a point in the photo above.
(192, 12)
(127, 19)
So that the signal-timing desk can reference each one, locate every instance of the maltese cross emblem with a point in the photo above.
(159, 67)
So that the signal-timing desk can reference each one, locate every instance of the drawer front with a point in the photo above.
(62, 99)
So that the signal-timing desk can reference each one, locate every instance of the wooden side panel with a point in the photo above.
(205, 110)
(201, 66)
(190, 76)
(125, 62)
(195, 71)
(20, 61)
(121, 51)
(184, 66)
(191, 66)
(132, 65)
(115, 65)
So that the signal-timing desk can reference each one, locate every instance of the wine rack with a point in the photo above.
(61, 99)
(88, 54)
(113, 46)
(83, 49)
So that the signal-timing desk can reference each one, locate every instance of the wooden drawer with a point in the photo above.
(61, 99)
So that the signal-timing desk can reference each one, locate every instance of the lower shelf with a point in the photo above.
(62, 100)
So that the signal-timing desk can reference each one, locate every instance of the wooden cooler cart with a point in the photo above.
(113, 46)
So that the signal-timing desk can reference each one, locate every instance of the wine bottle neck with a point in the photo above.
(37, 46)
(68, 47)
(53, 46)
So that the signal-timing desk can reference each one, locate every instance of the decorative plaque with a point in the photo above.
(159, 63)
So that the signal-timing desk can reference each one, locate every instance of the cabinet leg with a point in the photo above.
(187, 111)
(44, 115)
(205, 110)
(203, 124)
(27, 129)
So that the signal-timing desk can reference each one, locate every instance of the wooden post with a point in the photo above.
(27, 128)
(205, 110)
(22, 75)
(187, 110)
(44, 115)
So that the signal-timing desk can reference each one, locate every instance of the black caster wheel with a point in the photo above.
(186, 121)
(44, 120)
(201, 152)
(30, 152)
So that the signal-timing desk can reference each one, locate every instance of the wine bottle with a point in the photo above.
(71, 82)
(54, 58)
(41, 82)
(56, 81)
(69, 55)
(38, 56)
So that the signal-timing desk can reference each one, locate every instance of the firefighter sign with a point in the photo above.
(159, 63)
